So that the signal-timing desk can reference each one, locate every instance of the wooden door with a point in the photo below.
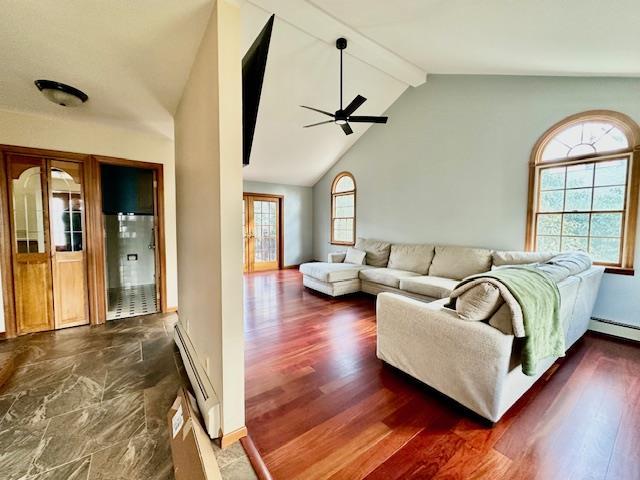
(68, 240)
(31, 248)
(261, 222)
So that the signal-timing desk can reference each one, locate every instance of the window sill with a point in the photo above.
(344, 244)
(620, 271)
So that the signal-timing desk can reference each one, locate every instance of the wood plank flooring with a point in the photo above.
(321, 405)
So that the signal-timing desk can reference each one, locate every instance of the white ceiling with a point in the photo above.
(524, 37)
(302, 70)
(533, 37)
(131, 57)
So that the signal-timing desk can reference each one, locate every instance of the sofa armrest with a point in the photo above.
(467, 361)
(441, 325)
(337, 257)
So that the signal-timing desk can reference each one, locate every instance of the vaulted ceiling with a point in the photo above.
(133, 58)
(394, 44)
(521, 37)
(303, 69)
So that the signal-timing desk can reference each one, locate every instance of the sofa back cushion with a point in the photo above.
(412, 258)
(459, 262)
(377, 251)
(502, 258)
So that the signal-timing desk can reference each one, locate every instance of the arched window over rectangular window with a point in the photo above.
(343, 210)
(583, 189)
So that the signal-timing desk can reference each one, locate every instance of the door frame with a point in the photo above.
(160, 253)
(280, 223)
(94, 232)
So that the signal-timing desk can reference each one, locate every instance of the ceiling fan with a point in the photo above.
(343, 116)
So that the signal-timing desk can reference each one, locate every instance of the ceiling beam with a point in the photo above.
(319, 24)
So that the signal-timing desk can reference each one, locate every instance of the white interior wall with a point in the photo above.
(39, 131)
(209, 200)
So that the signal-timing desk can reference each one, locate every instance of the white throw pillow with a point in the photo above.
(354, 256)
(479, 303)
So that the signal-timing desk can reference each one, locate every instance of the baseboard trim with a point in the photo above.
(614, 329)
(232, 437)
(291, 267)
(255, 458)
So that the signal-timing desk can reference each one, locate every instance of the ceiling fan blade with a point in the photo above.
(368, 119)
(354, 105)
(319, 123)
(317, 110)
(346, 128)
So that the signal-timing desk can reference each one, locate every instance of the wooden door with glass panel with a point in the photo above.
(68, 259)
(31, 249)
(261, 225)
(47, 223)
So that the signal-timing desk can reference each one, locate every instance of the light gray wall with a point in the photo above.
(298, 218)
(451, 166)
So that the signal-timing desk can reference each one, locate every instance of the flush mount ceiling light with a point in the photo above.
(64, 95)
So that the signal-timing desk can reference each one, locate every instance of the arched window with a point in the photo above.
(343, 209)
(583, 188)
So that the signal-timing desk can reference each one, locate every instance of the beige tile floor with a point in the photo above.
(90, 403)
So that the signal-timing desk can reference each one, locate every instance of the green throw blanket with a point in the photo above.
(539, 298)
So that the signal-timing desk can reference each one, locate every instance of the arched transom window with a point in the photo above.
(584, 189)
(343, 209)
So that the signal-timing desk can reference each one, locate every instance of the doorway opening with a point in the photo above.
(262, 232)
(130, 227)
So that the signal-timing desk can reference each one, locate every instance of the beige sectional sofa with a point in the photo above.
(424, 272)
(477, 363)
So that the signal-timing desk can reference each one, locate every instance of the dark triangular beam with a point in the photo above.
(254, 64)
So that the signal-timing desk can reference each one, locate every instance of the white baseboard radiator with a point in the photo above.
(205, 394)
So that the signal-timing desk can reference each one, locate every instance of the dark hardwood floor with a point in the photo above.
(321, 405)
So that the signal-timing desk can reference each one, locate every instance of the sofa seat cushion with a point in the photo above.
(459, 262)
(377, 251)
(386, 276)
(434, 287)
(412, 258)
(331, 272)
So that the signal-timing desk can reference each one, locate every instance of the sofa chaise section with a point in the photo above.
(331, 278)
(424, 272)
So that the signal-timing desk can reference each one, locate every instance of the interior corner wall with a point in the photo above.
(298, 218)
(208, 142)
(82, 136)
(451, 166)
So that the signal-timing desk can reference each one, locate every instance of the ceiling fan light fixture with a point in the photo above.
(61, 94)
(344, 115)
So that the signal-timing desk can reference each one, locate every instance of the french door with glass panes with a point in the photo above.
(261, 228)
(48, 243)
